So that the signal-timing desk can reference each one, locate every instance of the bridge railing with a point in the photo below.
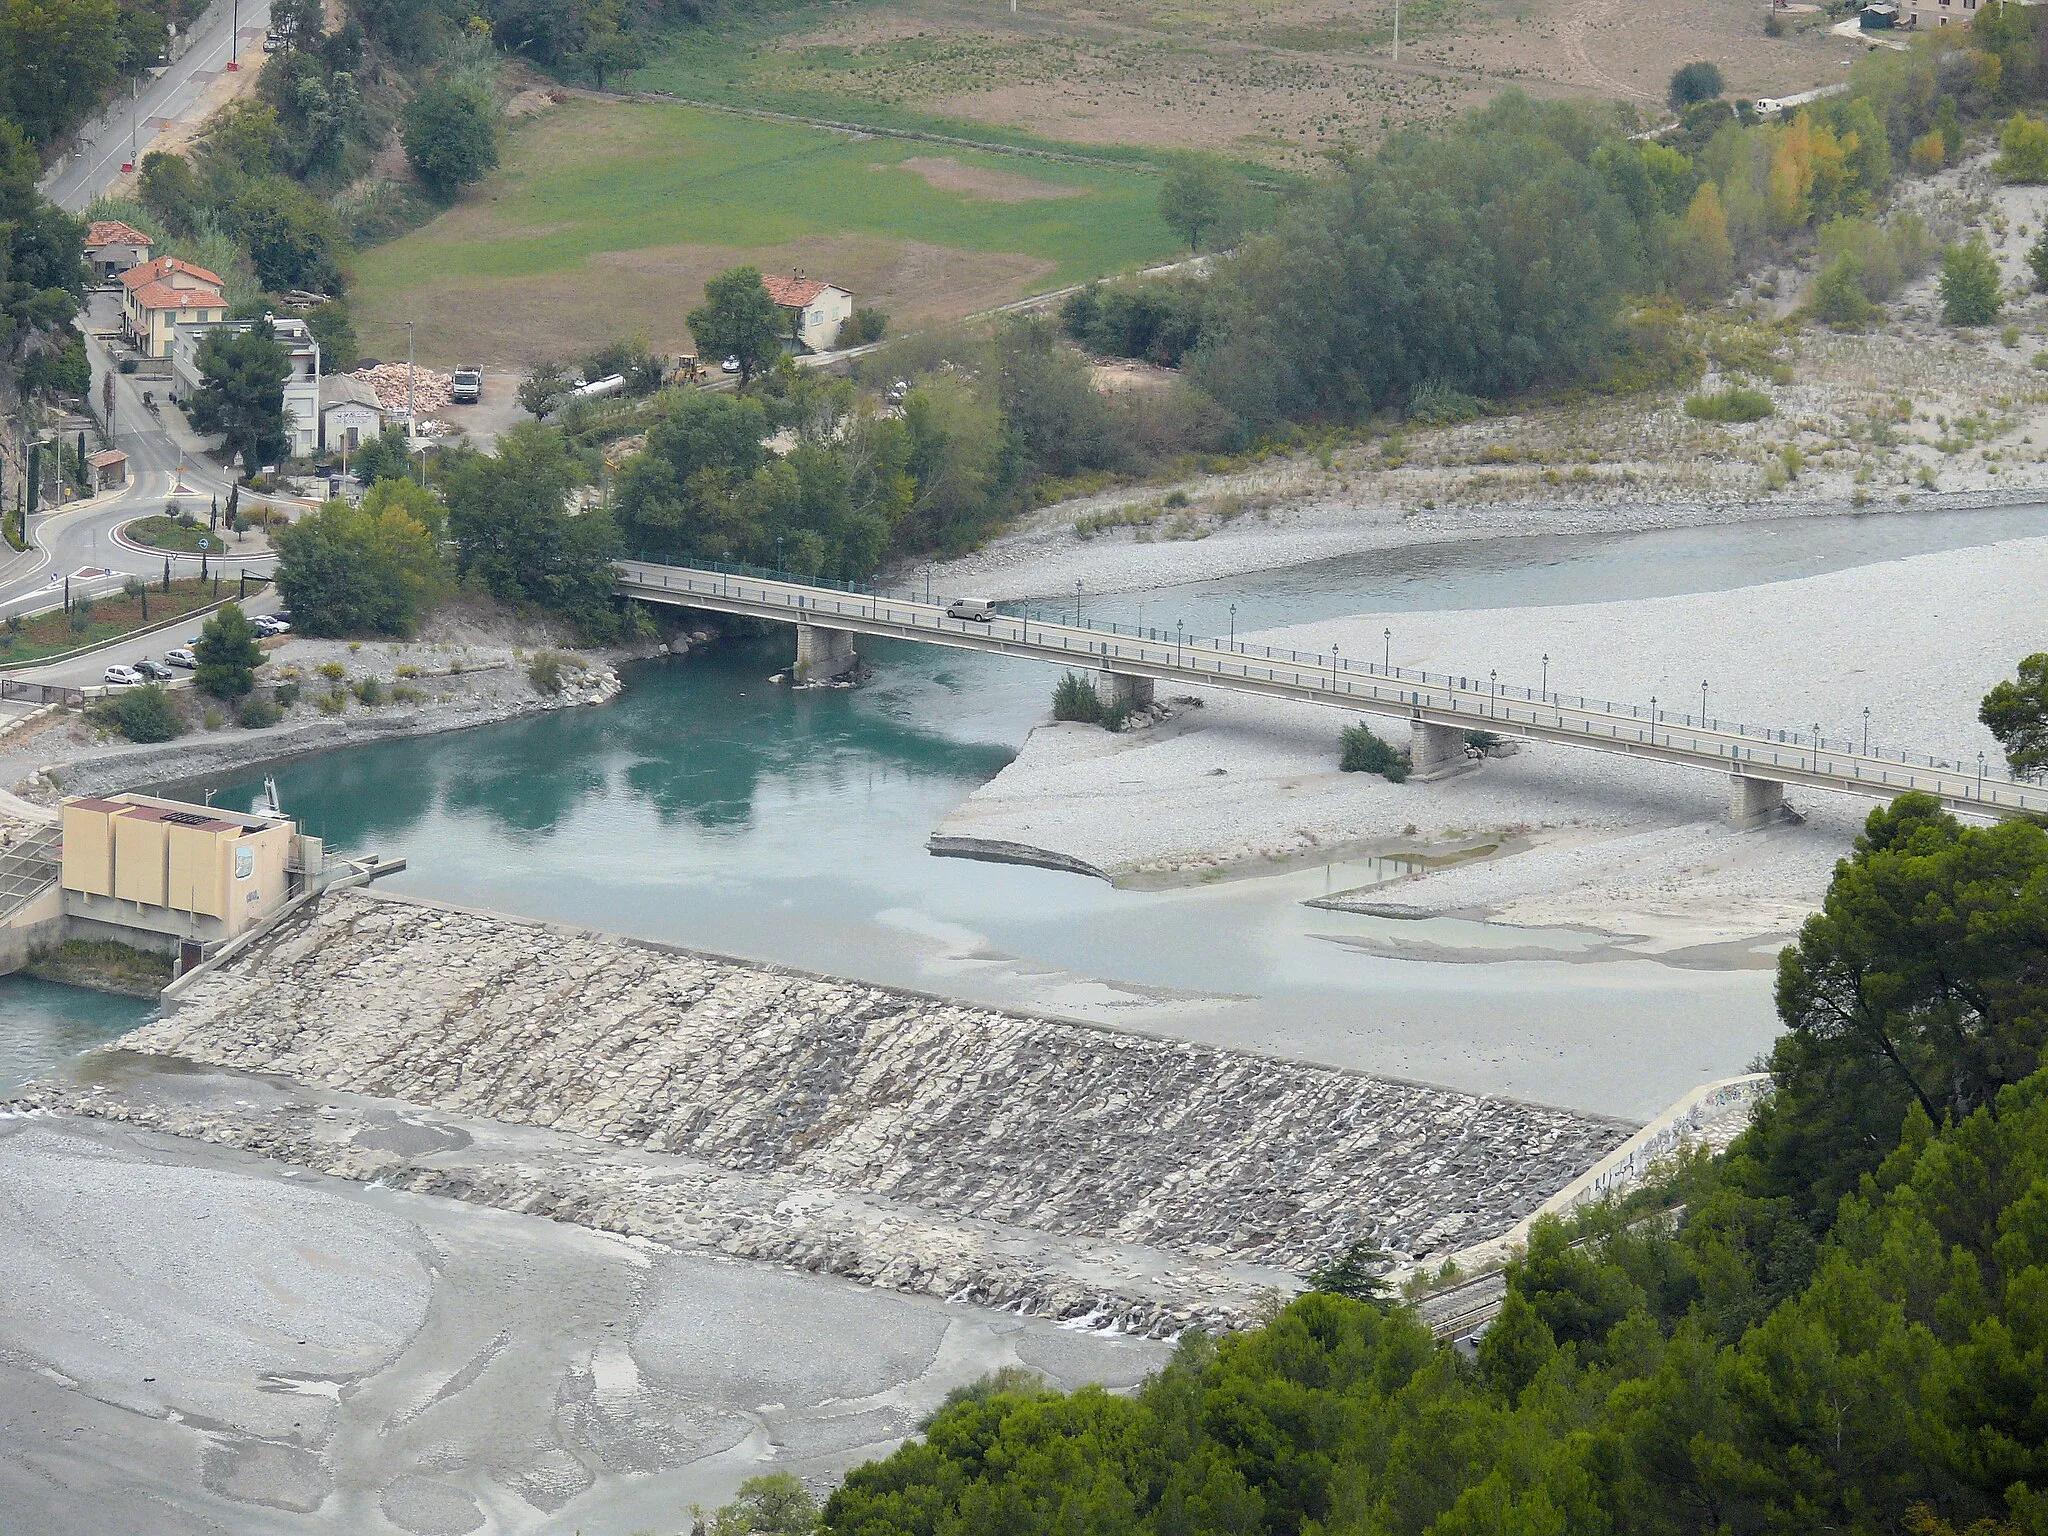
(1189, 652)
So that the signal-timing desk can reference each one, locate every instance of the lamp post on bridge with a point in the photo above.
(1493, 693)
(1703, 704)
(1176, 642)
(1816, 746)
(1233, 626)
(1387, 654)
(1980, 775)
(1546, 677)
(1077, 605)
(1653, 719)
(1335, 656)
(1866, 730)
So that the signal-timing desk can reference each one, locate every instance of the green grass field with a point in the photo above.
(605, 220)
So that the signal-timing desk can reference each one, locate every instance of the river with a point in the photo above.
(709, 808)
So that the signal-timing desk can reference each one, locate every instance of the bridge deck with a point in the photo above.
(1470, 703)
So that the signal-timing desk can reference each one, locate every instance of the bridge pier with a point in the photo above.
(1120, 688)
(823, 654)
(1436, 751)
(1754, 803)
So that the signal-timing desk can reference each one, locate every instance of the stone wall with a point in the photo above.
(972, 1112)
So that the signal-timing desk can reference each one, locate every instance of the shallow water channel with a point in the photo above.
(710, 809)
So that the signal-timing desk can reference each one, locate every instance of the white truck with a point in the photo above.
(467, 387)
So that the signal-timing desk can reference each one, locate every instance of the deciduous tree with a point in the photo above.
(368, 569)
(738, 319)
(450, 134)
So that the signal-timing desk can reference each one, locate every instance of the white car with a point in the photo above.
(181, 656)
(119, 676)
(268, 624)
(730, 365)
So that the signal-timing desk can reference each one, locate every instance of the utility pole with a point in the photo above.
(235, 38)
(412, 424)
(134, 115)
(1397, 31)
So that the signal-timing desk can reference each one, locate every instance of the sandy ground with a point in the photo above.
(198, 1340)
(1629, 849)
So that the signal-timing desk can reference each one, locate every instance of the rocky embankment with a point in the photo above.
(911, 1141)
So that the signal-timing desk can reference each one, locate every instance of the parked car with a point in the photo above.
(468, 387)
(119, 676)
(155, 671)
(973, 609)
(284, 617)
(272, 42)
(268, 624)
(730, 365)
(181, 656)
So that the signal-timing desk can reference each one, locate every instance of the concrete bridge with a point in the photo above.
(1440, 708)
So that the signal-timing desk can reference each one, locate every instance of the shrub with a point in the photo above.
(129, 364)
(333, 702)
(213, 719)
(548, 670)
(286, 694)
(1076, 699)
(227, 653)
(1838, 297)
(140, 714)
(370, 690)
(333, 671)
(2010, 336)
(1928, 152)
(257, 712)
(2023, 150)
(1364, 752)
(1694, 83)
(1735, 403)
(1436, 404)
(407, 669)
(863, 327)
(1971, 291)
(405, 693)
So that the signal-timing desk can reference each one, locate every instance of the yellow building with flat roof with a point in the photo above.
(191, 873)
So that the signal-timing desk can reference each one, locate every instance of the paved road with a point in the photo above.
(169, 97)
(166, 463)
(1458, 703)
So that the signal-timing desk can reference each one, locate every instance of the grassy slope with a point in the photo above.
(736, 63)
(606, 218)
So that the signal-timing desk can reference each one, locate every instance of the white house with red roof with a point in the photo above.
(112, 247)
(812, 311)
(163, 294)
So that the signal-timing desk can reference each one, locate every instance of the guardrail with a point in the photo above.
(1463, 700)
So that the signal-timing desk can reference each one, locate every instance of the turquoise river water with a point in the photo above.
(708, 808)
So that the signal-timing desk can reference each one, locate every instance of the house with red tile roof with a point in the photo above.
(112, 247)
(162, 294)
(812, 311)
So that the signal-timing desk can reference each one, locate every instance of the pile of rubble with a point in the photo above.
(396, 383)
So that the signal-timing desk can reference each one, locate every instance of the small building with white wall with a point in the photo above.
(812, 311)
(350, 413)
